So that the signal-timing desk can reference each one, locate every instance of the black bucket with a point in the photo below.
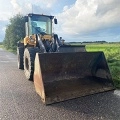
(63, 76)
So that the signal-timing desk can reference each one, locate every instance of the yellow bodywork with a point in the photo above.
(32, 39)
(46, 37)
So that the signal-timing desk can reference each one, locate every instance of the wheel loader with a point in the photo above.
(60, 71)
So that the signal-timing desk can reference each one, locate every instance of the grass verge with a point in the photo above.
(9, 50)
(13, 51)
(112, 54)
(1, 46)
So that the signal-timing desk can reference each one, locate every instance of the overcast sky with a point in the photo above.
(78, 20)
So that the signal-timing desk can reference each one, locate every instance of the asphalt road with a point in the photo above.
(19, 101)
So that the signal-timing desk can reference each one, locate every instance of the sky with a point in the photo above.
(78, 20)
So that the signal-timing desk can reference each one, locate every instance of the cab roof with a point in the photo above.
(32, 14)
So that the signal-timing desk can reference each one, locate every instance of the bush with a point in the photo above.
(15, 31)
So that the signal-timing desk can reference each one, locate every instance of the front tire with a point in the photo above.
(29, 57)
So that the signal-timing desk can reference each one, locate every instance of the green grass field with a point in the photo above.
(112, 54)
(1, 46)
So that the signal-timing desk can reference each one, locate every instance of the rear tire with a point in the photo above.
(20, 52)
(29, 57)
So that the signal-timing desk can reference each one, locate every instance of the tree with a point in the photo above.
(15, 32)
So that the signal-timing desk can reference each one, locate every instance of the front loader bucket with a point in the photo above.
(63, 76)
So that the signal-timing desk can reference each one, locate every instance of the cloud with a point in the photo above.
(43, 6)
(47, 3)
(4, 16)
(16, 6)
(79, 19)
(89, 15)
(28, 6)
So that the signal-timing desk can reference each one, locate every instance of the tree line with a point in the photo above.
(15, 31)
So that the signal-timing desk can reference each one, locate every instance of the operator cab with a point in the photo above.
(39, 24)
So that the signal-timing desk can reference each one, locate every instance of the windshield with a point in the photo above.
(40, 24)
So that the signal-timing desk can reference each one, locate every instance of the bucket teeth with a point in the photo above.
(63, 76)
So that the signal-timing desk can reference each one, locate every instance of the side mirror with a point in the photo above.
(55, 21)
(26, 18)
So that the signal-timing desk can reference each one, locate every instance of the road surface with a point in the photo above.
(19, 101)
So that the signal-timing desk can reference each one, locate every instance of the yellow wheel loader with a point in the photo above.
(60, 71)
